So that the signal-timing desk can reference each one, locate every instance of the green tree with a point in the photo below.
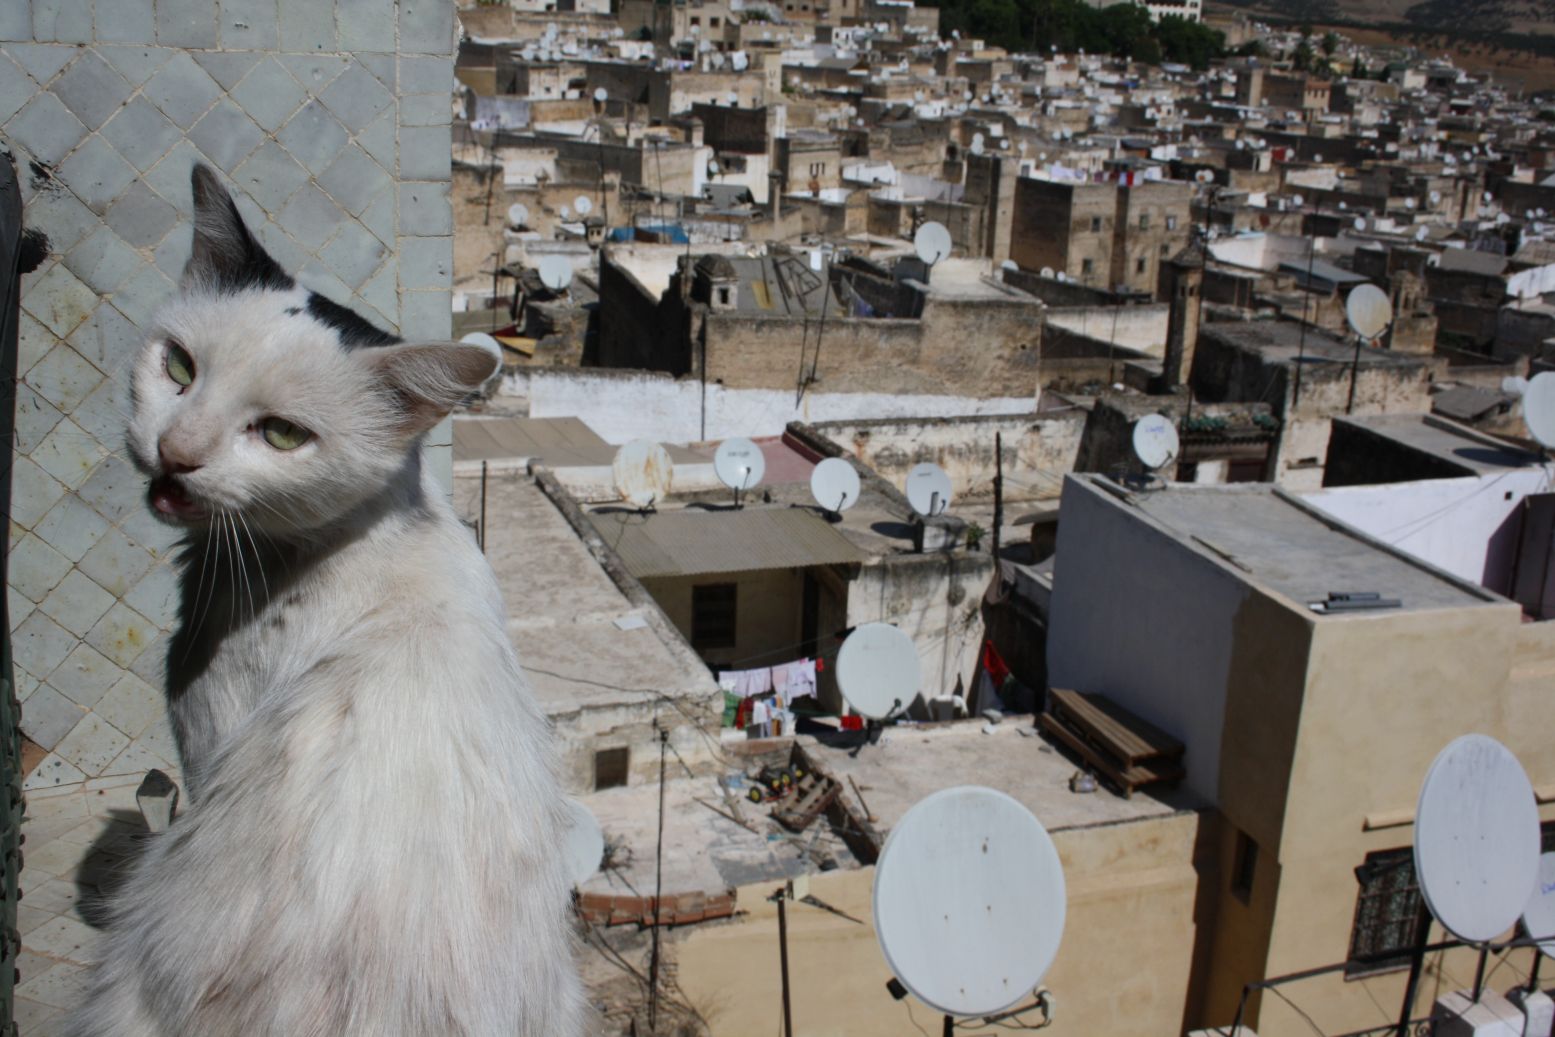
(1330, 44)
(1302, 59)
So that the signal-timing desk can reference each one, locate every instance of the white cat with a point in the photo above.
(372, 845)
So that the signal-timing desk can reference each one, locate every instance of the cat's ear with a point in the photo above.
(428, 379)
(226, 256)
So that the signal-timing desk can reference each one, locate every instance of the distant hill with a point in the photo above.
(1481, 19)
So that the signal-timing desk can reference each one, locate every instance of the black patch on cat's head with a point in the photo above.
(294, 311)
(354, 332)
(226, 257)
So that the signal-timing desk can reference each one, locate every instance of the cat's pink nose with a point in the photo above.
(176, 461)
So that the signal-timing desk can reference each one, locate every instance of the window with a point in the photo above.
(1095, 224)
(1245, 868)
(1087, 268)
(1139, 265)
(1165, 249)
(1171, 223)
(696, 19)
(723, 296)
(817, 168)
(712, 22)
(611, 767)
(713, 615)
(1388, 913)
(1144, 221)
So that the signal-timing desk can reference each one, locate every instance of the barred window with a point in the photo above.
(1388, 913)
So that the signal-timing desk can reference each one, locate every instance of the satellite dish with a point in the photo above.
(977, 143)
(739, 463)
(582, 205)
(713, 168)
(834, 484)
(1298, 201)
(1155, 441)
(1513, 385)
(969, 901)
(518, 214)
(1476, 838)
(1410, 204)
(1539, 407)
(601, 95)
(1204, 176)
(1539, 915)
(928, 489)
(1436, 197)
(932, 242)
(489, 344)
(555, 272)
(1359, 223)
(877, 670)
(1009, 264)
(1421, 233)
(1317, 158)
(1343, 206)
(583, 843)
(566, 212)
(1046, 271)
(642, 472)
(1369, 311)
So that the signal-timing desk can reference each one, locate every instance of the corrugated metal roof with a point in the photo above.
(694, 543)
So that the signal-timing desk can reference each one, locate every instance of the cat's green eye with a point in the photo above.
(180, 365)
(283, 435)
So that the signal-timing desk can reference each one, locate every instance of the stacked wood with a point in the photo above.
(1126, 750)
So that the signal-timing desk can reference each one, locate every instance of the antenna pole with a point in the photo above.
(998, 503)
(1416, 964)
(658, 891)
(1301, 345)
(1479, 972)
(1355, 367)
(788, 1016)
(950, 1026)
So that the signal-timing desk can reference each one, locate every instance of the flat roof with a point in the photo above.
(1281, 341)
(555, 442)
(1292, 549)
(705, 850)
(1474, 452)
(581, 641)
(698, 541)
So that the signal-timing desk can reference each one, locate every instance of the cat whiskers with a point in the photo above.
(205, 557)
(258, 555)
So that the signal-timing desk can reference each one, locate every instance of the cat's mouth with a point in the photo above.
(169, 498)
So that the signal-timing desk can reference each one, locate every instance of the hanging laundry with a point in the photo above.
(794, 680)
(752, 682)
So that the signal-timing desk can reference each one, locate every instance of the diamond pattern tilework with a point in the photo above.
(331, 122)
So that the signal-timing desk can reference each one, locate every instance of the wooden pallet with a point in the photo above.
(1126, 750)
(811, 796)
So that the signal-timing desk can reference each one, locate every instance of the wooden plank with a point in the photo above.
(1132, 738)
(1124, 777)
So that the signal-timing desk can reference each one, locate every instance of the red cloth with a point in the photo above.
(852, 723)
(994, 664)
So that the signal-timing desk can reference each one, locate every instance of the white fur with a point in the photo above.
(371, 845)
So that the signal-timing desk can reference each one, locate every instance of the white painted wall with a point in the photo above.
(622, 406)
(1449, 523)
(1143, 619)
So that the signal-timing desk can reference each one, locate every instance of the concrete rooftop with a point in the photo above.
(1285, 546)
(1282, 342)
(563, 608)
(1474, 452)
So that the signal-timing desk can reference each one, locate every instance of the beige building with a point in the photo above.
(1309, 733)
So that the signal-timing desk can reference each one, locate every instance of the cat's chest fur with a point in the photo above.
(243, 649)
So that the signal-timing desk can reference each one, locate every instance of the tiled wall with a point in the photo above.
(332, 121)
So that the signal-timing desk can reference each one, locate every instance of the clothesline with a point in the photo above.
(767, 692)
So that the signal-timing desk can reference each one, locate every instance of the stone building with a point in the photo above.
(1100, 234)
(775, 321)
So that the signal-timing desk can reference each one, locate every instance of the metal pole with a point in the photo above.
(1416, 964)
(788, 1015)
(1355, 367)
(998, 503)
(658, 890)
(950, 1027)
(1479, 972)
(483, 507)
(1301, 346)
